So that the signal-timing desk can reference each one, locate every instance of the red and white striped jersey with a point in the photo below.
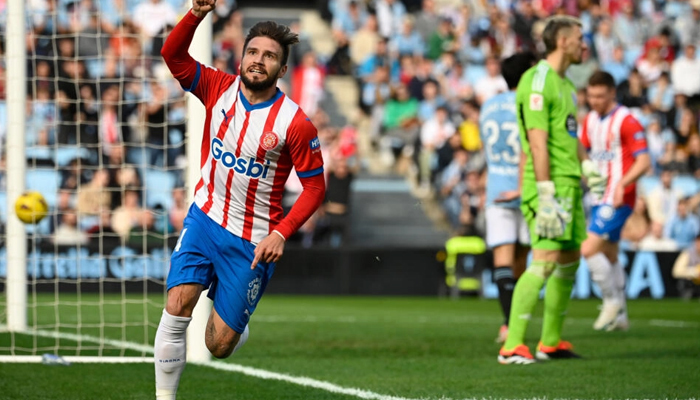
(248, 152)
(613, 141)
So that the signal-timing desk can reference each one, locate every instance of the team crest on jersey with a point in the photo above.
(269, 140)
(253, 291)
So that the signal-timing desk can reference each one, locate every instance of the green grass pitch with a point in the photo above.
(410, 348)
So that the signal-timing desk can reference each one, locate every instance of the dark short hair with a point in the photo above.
(602, 78)
(277, 32)
(553, 27)
(513, 67)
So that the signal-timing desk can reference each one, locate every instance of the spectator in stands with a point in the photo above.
(442, 39)
(632, 92)
(431, 101)
(469, 128)
(652, 64)
(427, 20)
(684, 72)
(505, 39)
(434, 134)
(684, 226)
(365, 41)
(94, 196)
(154, 112)
(687, 126)
(456, 86)
(401, 123)
(656, 241)
(407, 41)
(660, 94)
(67, 232)
(657, 140)
(524, 21)
(449, 186)
(130, 214)
(375, 94)
(580, 73)
(637, 226)
(423, 74)
(662, 201)
(336, 208)
(492, 84)
(380, 57)
(344, 26)
(686, 269)
(307, 84)
(390, 15)
(605, 42)
(101, 235)
(688, 25)
(630, 30)
(693, 149)
(152, 15)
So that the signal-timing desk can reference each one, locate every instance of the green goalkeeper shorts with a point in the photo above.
(571, 199)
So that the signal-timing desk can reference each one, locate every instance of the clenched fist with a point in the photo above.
(200, 8)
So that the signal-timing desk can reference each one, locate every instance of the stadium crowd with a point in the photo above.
(424, 74)
(104, 113)
(106, 122)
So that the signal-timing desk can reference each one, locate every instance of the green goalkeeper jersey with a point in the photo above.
(547, 101)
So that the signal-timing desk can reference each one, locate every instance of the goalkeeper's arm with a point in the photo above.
(537, 138)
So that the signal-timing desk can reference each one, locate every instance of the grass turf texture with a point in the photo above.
(407, 347)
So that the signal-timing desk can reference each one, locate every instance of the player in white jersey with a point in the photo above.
(616, 142)
(506, 231)
(234, 233)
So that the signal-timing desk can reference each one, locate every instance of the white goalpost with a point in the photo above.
(96, 124)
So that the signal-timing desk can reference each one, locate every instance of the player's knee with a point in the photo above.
(181, 302)
(220, 349)
(566, 271)
(542, 269)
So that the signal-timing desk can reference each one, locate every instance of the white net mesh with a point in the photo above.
(105, 146)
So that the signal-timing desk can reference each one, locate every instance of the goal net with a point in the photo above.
(105, 144)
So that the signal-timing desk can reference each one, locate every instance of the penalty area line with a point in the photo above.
(219, 365)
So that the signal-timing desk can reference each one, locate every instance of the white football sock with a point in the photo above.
(620, 279)
(602, 274)
(169, 353)
(241, 340)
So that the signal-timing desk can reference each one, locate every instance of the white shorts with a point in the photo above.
(505, 226)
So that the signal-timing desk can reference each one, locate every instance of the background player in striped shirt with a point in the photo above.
(616, 142)
(506, 231)
(235, 231)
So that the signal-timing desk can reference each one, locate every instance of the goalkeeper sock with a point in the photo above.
(525, 296)
(603, 275)
(506, 284)
(556, 301)
(169, 353)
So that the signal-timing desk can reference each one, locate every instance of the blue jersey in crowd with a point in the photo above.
(498, 126)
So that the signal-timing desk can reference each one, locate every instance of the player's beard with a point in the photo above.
(260, 85)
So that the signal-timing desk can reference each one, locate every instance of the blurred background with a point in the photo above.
(394, 88)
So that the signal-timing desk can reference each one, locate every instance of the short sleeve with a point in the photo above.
(304, 146)
(534, 101)
(632, 136)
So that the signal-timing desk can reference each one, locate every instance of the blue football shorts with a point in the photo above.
(607, 221)
(208, 254)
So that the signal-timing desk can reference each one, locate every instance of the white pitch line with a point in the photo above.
(673, 324)
(250, 371)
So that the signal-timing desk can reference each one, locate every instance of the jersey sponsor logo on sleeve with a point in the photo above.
(536, 102)
(315, 144)
(572, 126)
(269, 140)
(639, 135)
(247, 166)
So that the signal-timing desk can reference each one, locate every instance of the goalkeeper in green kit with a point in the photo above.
(551, 193)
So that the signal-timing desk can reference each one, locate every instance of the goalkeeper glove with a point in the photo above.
(551, 218)
(597, 183)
